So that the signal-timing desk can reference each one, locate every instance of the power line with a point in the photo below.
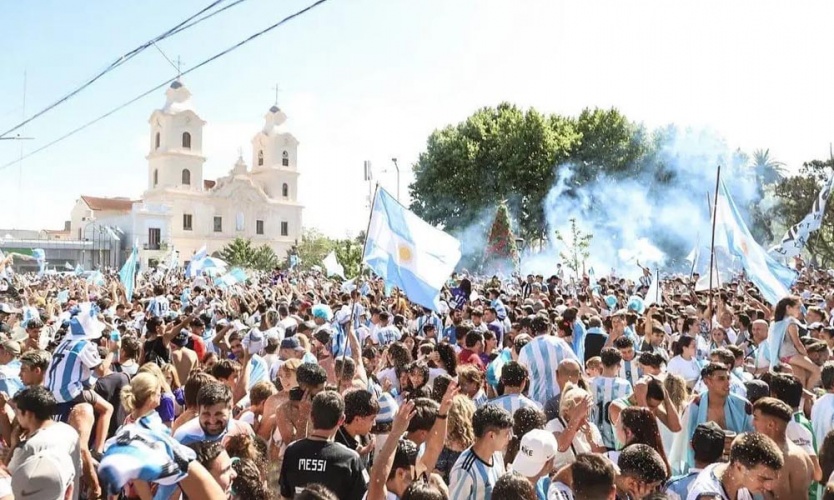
(182, 26)
(166, 82)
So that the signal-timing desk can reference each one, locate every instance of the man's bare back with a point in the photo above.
(184, 360)
(796, 476)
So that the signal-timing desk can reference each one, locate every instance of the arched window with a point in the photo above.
(186, 140)
(260, 158)
(156, 141)
(155, 177)
(186, 177)
(285, 190)
(285, 159)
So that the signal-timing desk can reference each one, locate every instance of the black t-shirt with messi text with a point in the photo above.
(330, 464)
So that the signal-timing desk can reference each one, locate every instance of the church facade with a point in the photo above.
(182, 210)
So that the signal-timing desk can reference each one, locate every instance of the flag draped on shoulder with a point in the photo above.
(127, 275)
(794, 240)
(408, 252)
(772, 278)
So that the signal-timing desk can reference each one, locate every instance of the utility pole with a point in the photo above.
(394, 160)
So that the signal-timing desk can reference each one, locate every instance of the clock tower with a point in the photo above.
(175, 159)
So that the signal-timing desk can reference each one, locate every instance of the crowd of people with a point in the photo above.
(296, 386)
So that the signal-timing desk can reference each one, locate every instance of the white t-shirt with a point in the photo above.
(822, 416)
(559, 491)
(689, 370)
(579, 445)
(707, 482)
(801, 436)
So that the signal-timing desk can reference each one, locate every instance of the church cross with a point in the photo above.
(277, 89)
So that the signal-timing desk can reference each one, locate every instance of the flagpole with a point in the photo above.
(657, 290)
(353, 303)
(712, 242)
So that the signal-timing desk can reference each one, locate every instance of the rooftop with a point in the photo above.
(115, 204)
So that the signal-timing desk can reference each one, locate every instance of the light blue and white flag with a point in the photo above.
(348, 286)
(794, 240)
(112, 233)
(68, 266)
(196, 263)
(40, 257)
(62, 297)
(408, 252)
(79, 270)
(96, 278)
(84, 321)
(294, 260)
(127, 275)
(175, 259)
(233, 277)
(772, 278)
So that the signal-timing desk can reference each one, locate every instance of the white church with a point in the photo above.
(183, 210)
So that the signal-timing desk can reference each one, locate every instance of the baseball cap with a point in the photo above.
(538, 447)
(181, 339)
(11, 346)
(45, 475)
(6, 308)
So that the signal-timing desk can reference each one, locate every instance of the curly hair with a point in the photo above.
(676, 388)
(459, 425)
(249, 484)
(447, 356)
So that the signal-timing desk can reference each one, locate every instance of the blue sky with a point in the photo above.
(370, 80)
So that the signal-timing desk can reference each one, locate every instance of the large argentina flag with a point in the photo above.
(772, 278)
(408, 252)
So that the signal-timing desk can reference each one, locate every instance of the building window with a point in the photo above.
(155, 177)
(260, 158)
(218, 224)
(285, 159)
(239, 222)
(259, 227)
(186, 177)
(154, 236)
(186, 140)
(285, 228)
(156, 141)
(186, 222)
(285, 190)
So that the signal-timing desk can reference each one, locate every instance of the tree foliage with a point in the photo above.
(576, 248)
(315, 246)
(796, 195)
(241, 253)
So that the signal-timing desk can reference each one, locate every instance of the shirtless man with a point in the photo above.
(771, 417)
(183, 358)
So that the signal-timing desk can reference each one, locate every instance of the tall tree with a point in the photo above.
(609, 143)
(313, 248)
(241, 253)
(501, 151)
(767, 170)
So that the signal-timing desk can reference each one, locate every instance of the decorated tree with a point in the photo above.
(501, 254)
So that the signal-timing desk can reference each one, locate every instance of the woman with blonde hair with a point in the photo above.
(573, 429)
(167, 403)
(459, 434)
(140, 399)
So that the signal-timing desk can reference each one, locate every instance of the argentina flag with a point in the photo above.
(196, 263)
(771, 278)
(127, 275)
(408, 252)
(40, 257)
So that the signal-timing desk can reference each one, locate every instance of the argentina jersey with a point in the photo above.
(605, 390)
(512, 402)
(158, 307)
(630, 371)
(473, 479)
(542, 356)
(71, 367)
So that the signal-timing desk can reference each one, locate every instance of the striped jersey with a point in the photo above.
(559, 491)
(429, 319)
(512, 402)
(542, 356)
(677, 487)
(473, 479)
(71, 367)
(605, 390)
(480, 398)
(258, 370)
(630, 371)
(386, 335)
(708, 482)
(158, 306)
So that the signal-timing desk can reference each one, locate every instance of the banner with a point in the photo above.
(794, 240)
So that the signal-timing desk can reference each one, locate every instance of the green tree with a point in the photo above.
(501, 151)
(349, 255)
(796, 195)
(501, 252)
(609, 143)
(241, 253)
(577, 248)
(313, 248)
(767, 170)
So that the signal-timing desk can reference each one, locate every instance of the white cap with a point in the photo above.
(538, 447)
(45, 475)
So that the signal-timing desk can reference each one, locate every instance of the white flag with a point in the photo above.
(332, 266)
(794, 240)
